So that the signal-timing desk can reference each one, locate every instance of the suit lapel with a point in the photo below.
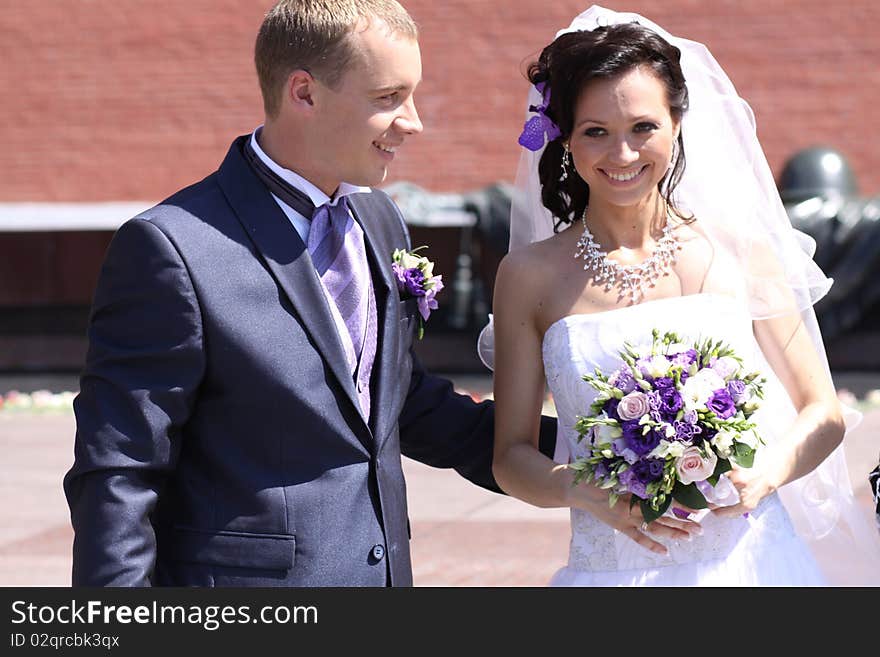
(286, 256)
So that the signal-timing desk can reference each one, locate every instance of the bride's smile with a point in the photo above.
(624, 178)
(623, 134)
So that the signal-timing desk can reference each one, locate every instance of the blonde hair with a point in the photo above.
(313, 35)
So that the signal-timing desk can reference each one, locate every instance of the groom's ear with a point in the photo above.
(300, 88)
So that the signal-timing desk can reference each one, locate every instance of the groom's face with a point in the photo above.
(364, 120)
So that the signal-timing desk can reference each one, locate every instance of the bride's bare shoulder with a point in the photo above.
(525, 272)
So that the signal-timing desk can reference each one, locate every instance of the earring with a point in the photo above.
(566, 163)
(674, 154)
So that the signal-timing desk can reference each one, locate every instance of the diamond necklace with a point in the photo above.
(631, 278)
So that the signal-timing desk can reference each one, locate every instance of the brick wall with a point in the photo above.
(126, 99)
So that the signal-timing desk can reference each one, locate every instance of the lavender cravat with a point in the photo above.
(336, 245)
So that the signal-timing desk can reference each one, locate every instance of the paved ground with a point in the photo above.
(462, 535)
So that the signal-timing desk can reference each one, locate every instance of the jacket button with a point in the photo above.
(378, 552)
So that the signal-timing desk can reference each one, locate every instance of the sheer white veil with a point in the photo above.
(729, 187)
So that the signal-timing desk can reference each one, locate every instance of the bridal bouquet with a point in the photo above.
(668, 423)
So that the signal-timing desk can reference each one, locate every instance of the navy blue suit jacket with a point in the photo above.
(219, 440)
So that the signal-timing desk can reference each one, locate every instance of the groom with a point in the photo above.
(250, 383)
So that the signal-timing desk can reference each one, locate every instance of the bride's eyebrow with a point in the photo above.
(636, 119)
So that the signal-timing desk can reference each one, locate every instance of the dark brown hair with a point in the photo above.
(566, 66)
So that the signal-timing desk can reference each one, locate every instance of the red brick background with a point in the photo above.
(132, 99)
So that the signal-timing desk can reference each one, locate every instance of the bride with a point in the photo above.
(648, 204)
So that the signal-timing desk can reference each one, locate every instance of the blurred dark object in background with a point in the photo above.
(820, 194)
(466, 235)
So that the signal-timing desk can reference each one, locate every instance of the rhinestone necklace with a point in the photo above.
(632, 279)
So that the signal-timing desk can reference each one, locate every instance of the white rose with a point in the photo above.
(710, 378)
(698, 388)
(657, 366)
(632, 406)
(725, 367)
(723, 442)
(666, 448)
(605, 434)
(409, 261)
(693, 466)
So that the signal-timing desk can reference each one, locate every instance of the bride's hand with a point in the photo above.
(629, 520)
(752, 485)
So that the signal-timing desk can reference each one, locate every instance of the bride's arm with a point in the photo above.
(818, 427)
(519, 467)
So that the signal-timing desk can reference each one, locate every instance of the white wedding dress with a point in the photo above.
(759, 550)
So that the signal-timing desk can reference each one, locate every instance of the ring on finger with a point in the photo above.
(643, 527)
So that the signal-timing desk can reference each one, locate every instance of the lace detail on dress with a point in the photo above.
(581, 343)
(597, 547)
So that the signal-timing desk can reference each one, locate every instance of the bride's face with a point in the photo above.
(622, 138)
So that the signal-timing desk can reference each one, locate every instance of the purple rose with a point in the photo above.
(685, 358)
(684, 431)
(620, 449)
(631, 482)
(427, 302)
(648, 470)
(721, 403)
(638, 442)
(409, 281)
(737, 390)
(623, 380)
(610, 408)
(670, 401)
(633, 406)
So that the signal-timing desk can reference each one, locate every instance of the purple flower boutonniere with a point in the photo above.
(416, 280)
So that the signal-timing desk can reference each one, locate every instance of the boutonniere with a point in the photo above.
(416, 280)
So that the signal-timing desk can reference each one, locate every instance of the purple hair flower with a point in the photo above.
(540, 125)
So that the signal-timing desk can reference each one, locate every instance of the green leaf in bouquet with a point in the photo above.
(610, 482)
(689, 495)
(612, 499)
(649, 513)
(578, 465)
(743, 455)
